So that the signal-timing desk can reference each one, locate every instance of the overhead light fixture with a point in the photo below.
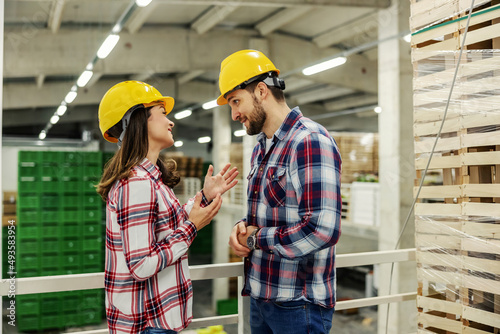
(326, 65)
(240, 133)
(183, 114)
(84, 78)
(108, 46)
(407, 38)
(378, 110)
(142, 3)
(61, 110)
(54, 119)
(210, 105)
(178, 143)
(70, 97)
(203, 140)
(42, 135)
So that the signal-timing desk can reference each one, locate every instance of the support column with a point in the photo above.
(224, 219)
(396, 164)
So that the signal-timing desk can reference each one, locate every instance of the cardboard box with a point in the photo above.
(7, 218)
(9, 208)
(9, 196)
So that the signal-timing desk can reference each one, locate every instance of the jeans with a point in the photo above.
(151, 330)
(294, 317)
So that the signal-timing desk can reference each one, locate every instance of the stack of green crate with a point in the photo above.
(60, 231)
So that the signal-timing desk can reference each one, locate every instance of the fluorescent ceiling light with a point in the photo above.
(210, 104)
(61, 110)
(84, 78)
(108, 46)
(378, 110)
(183, 114)
(54, 119)
(178, 143)
(407, 38)
(70, 97)
(326, 65)
(42, 135)
(142, 3)
(203, 140)
(89, 67)
(240, 133)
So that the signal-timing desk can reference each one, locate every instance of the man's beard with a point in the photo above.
(256, 123)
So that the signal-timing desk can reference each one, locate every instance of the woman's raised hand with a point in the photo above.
(219, 183)
(201, 217)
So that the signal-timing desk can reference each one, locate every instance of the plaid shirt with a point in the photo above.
(147, 279)
(294, 197)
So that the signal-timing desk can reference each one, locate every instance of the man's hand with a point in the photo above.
(239, 231)
(242, 238)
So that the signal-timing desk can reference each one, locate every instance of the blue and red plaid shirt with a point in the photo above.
(294, 197)
(147, 279)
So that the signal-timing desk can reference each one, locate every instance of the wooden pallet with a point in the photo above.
(457, 217)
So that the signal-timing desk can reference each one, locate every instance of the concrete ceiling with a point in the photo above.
(177, 46)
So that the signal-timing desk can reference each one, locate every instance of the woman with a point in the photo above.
(148, 233)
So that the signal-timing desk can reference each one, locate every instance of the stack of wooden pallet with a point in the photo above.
(457, 219)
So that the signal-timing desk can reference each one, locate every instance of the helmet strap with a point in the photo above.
(125, 123)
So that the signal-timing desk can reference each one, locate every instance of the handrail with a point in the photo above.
(45, 284)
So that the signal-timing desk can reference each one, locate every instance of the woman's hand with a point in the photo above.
(220, 183)
(201, 217)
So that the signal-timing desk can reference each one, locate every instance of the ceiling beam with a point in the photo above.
(280, 19)
(351, 102)
(347, 31)
(186, 77)
(284, 3)
(325, 93)
(140, 16)
(55, 15)
(212, 17)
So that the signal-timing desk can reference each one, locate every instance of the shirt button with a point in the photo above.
(261, 169)
(253, 215)
(255, 192)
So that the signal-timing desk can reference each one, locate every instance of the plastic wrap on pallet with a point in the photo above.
(457, 217)
(430, 12)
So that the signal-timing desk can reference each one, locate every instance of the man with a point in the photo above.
(294, 205)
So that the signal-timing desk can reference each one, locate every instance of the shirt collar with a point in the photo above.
(287, 124)
(151, 168)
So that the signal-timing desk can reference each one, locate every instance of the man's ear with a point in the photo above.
(261, 90)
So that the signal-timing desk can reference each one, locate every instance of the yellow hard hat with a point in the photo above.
(239, 67)
(123, 96)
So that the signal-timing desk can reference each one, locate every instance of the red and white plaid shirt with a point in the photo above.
(147, 277)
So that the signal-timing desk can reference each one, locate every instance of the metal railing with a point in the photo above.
(45, 284)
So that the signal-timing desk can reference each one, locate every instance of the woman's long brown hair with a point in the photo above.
(133, 150)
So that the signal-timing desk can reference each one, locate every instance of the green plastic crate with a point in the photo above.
(28, 202)
(50, 245)
(28, 305)
(71, 201)
(29, 156)
(50, 157)
(71, 245)
(49, 230)
(28, 261)
(88, 186)
(49, 202)
(93, 244)
(92, 158)
(93, 172)
(28, 216)
(92, 214)
(26, 323)
(71, 215)
(92, 258)
(28, 272)
(28, 187)
(91, 199)
(70, 230)
(52, 171)
(28, 171)
(95, 230)
(49, 216)
(227, 306)
(27, 230)
(28, 246)
(72, 158)
(70, 186)
(72, 301)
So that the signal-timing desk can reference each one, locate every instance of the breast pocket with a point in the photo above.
(275, 190)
